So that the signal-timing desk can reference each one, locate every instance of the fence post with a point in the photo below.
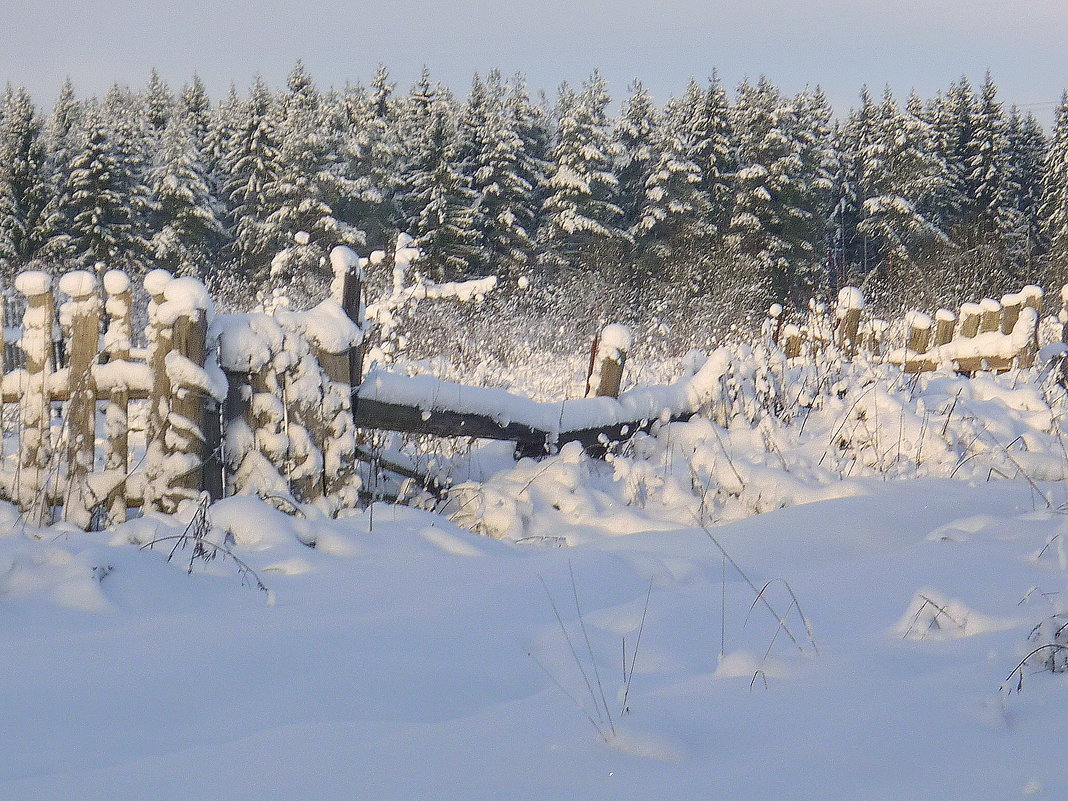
(970, 314)
(946, 321)
(186, 417)
(848, 311)
(159, 345)
(80, 318)
(611, 357)
(116, 417)
(991, 316)
(1011, 305)
(36, 406)
(920, 328)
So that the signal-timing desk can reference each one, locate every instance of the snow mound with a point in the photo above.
(933, 616)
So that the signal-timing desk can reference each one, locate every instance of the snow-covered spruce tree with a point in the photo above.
(252, 166)
(470, 152)
(102, 225)
(581, 218)
(821, 170)
(857, 138)
(187, 233)
(371, 152)
(1027, 151)
(223, 123)
(674, 216)
(953, 116)
(24, 180)
(195, 105)
(159, 106)
(997, 221)
(132, 146)
(1054, 210)
(899, 173)
(62, 136)
(437, 202)
(309, 184)
(712, 149)
(636, 156)
(501, 174)
(772, 222)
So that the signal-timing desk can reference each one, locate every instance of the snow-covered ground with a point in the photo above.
(406, 658)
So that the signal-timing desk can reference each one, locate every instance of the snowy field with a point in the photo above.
(827, 585)
(406, 658)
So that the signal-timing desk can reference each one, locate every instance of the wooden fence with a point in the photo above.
(254, 403)
(272, 404)
(988, 335)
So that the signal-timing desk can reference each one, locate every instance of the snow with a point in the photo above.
(615, 337)
(407, 658)
(77, 283)
(849, 297)
(156, 281)
(116, 282)
(33, 282)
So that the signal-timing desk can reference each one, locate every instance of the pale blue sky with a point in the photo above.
(841, 44)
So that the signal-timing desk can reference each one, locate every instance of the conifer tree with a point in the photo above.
(187, 232)
(309, 183)
(1054, 211)
(501, 176)
(1027, 151)
(636, 157)
(900, 172)
(713, 149)
(771, 220)
(24, 185)
(675, 211)
(581, 216)
(252, 167)
(102, 223)
(991, 191)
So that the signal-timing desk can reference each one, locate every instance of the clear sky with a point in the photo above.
(840, 44)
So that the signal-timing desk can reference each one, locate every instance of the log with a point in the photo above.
(970, 314)
(991, 316)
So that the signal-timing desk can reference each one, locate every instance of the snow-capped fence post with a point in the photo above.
(36, 404)
(185, 446)
(970, 314)
(159, 345)
(1010, 306)
(80, 322)
(991, 316)
(613, 344)
(945, 322)
(920, 329)
(118, 307)
(792, 341)
(848, 311)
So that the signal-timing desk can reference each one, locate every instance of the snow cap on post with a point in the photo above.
(116, 282)
(77, 283)
(615, 340)
(850, 297)
(156, 281)
(344, 259)
(33, 282)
